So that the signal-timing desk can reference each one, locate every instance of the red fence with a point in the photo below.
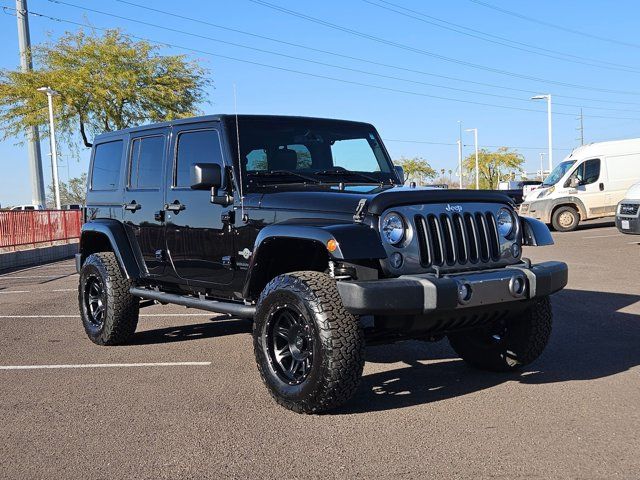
(38, 226)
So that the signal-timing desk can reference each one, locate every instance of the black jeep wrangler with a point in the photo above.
(304, 226)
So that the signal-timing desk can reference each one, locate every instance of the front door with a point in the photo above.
(143, 199)
(591, 187)
(199, 242)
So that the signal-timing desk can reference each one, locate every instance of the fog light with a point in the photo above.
(517, 286)
(396, 260)
(464, 293)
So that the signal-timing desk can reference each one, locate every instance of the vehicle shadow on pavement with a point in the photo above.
(592, 338)
(597, 224)
(215, 328)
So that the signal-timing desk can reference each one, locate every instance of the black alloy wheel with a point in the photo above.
(95, 301)
(289, 339)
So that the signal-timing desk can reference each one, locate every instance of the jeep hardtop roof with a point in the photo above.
(216, 117)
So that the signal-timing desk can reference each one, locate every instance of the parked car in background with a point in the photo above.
(28, 207)
(628, 212)
(588, 184)
(518, 189)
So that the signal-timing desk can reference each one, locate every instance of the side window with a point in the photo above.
(303, 154)
(201, 146)
(257, 159)
(587, 172)
(145, 162)
(105, 173)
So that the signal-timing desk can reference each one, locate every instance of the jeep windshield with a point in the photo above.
(558, 173)
(277, 150)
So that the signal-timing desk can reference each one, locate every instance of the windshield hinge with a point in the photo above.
(360, 211)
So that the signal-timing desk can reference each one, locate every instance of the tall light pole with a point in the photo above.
(35, 160)
(548, 98)
(460, 151)
(52, 138)
(542, 165)
(475, 139)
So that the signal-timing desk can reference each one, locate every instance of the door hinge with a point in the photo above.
(228, 217)
(159, 216)
(160, 255)
(229, 262)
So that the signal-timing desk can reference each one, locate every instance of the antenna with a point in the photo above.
(235, 103)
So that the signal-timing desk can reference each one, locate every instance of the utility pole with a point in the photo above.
(460, 151)
(26, 65)
(581, 128)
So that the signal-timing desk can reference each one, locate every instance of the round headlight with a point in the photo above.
(393, 228)
(505, 222)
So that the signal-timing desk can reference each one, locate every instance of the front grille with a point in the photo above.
(457, 238)
(629, 208)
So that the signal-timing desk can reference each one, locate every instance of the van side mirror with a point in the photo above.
(400, 173)
(205, 176)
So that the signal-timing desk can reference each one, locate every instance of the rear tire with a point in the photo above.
(309, 350)
(565, 219)
(509, 345)
(109, 312)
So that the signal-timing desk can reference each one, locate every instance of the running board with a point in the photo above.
(236, 309)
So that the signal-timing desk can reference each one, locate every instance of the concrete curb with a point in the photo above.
(36, 256)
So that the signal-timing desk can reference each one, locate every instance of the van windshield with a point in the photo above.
(558, 173)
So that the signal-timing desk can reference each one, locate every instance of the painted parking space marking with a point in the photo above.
(7, 276)
(77, 315)
(42, 291)
(605, 236)
(15, 291)
(105, 365)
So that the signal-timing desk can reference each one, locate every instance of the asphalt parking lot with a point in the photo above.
(184, 399)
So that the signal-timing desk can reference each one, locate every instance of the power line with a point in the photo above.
(498, 40)
(325, 77)
(528, 92)
(471, 145)
(316, 62)
(432, 54)
(563, 28)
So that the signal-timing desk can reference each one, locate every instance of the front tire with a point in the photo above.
(309, 350)
(508, 345)
(565, 219)
(109, 312)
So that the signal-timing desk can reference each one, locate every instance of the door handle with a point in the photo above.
(133, 206)
(601, 187)
(175, 207)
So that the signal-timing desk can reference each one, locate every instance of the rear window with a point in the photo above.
(145, 169)
(106, 166)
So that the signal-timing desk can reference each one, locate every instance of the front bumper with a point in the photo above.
(427, 293)
(538, 209)
(628, 224)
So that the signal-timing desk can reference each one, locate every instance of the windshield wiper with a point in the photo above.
(283, 173)
(344, 171)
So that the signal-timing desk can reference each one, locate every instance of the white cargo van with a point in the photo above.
(588, 184)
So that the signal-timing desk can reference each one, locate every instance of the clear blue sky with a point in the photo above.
(413, 117)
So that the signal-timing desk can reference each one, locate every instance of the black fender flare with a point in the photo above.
(535, 233)
(353, 242)
(113, 232)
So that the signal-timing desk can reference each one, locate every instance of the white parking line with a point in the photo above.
(212, 314)
(105, 365)
(16, 291)
(64, 290)
(42, 291)
(7, 276)
(605, 236)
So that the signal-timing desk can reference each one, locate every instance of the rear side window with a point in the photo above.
(201, 146)
(145, 164)
(106, 166)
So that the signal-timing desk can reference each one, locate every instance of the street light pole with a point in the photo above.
(475, 139)
(549, 126)
(52, 138)
(460, 151)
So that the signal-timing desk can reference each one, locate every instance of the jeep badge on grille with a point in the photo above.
(453, 208)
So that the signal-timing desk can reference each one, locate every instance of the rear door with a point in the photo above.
(143, 200)
(198, 240)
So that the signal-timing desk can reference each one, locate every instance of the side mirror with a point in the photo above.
(574, 182)
(400, 173)
(205, 176)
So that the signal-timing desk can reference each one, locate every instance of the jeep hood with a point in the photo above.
(379, 199)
